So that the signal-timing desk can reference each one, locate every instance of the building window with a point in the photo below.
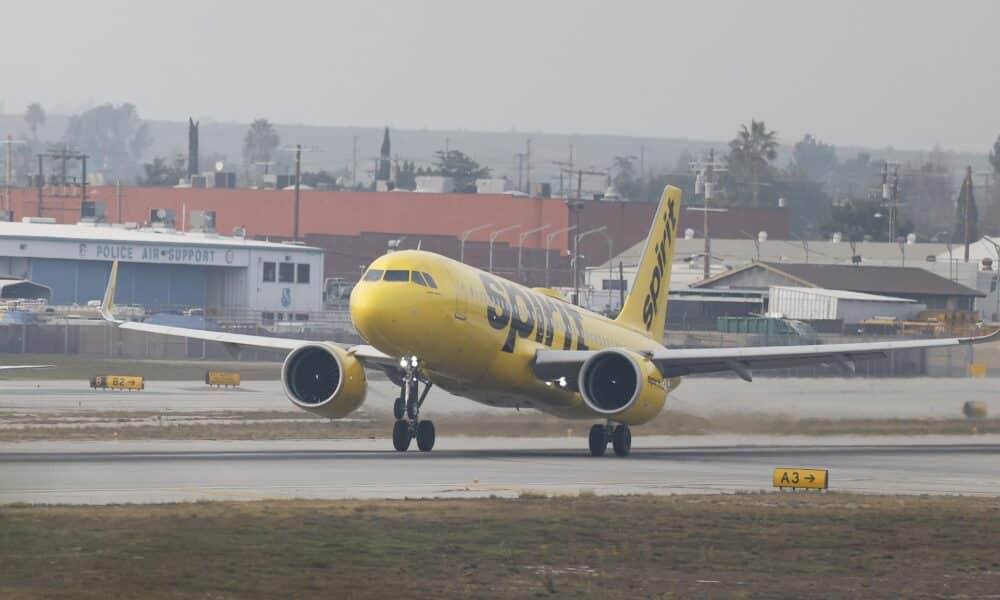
(302, 275)
(267, 317)
(614, 284)
(269, 271)
(286, 273)
(301, 317)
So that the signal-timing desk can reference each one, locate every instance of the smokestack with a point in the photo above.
(192, 148)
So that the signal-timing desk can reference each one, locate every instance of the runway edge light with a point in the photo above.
(789, 477)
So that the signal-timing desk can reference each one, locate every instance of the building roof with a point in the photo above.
(740, 251)
(161, 237)
(899, 281)
(843, 294)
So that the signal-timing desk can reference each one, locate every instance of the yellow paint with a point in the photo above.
(817, 479)
(117, 382)
(977, 370)
(477, 334)
(226, 378)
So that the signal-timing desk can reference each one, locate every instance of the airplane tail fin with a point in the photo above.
(108, 303)
(646, 304)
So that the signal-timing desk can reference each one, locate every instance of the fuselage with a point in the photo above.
(476, 334)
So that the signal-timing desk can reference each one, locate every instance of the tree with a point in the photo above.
(34, 116)
(966, 223)
(624, 179)
(813, 159)
(114, 137)
(406, 179)
(260, 142)
(750, 154)
(863, 220)
(462, 169)
(163, 172)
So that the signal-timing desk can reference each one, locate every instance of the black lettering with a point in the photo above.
(548, 309)
(522, 322)
(581, 344)
(567, 330)
(540, 320)
(498, 311)
(784, 477)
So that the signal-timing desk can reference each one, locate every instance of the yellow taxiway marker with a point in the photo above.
(816, 479)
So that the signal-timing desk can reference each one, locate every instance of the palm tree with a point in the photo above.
(752, 150)
(34, 116)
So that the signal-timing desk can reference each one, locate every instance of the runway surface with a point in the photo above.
(143, 472)
(801, 398)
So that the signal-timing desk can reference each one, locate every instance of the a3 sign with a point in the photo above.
(816, 479)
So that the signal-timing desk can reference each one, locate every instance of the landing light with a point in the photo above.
(403, 362)
(562, 382)
(413, 361)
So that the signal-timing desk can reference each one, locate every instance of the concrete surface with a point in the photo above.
(143, 472)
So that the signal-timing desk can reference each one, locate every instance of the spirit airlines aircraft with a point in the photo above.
(430, 320)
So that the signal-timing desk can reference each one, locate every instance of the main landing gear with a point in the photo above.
(406, 409)
(619, 435)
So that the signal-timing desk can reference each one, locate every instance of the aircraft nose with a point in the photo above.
(364, 310)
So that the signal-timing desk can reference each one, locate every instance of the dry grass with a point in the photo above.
(745, 545)
(277, 425)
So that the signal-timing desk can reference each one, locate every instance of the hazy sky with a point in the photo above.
(876, 73)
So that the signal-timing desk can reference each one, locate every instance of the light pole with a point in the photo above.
(465, 235)
(493, 238)
(520, 245)
(548, 244)
(576, 260)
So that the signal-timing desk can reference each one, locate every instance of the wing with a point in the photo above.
(368, 355)
(553, 364)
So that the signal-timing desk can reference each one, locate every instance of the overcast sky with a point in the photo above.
(885, 73)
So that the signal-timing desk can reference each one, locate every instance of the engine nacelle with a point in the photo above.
(623, 386)
(324, 380)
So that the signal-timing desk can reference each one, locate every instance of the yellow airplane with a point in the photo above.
(430, 320)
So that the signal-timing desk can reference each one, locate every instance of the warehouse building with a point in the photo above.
(165, 270)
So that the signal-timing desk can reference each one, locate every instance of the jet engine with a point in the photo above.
(623, 386)
(324, 379)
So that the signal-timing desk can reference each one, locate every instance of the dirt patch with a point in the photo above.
(745, 545)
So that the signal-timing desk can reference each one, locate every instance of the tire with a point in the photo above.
(425, 436)
(399, 408)
(598, 440)
(622, 441)
(401, 436)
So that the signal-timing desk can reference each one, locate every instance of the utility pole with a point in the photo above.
(520, 170)
(40, 182)
(8, 201)
(527, 167)
(354, 163)
(298, 177)
(705, 183)
(966, 211)
(565, 167)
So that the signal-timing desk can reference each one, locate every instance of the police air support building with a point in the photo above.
(166, 270)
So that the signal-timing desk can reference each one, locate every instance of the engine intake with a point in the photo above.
(622, 385)
(324, 379)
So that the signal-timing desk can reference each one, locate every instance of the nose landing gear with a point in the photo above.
(619, 435)
(406, 409)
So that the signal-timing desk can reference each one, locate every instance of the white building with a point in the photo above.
(165, 270)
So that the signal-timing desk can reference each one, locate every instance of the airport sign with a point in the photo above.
(816, 479)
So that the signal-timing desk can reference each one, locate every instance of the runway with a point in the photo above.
(146, 472)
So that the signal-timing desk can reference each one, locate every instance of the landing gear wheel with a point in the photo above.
(399, 408)
(425, 436)
(622, 441)
(401, 436)
(598, 440)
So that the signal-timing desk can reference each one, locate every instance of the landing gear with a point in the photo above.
(406, 409)
(620, 437)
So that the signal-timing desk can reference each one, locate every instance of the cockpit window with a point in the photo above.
(396, 275)
(417, 278)
(430, 280)
(373, 275)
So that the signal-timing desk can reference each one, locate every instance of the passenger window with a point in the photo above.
(269, 271)
(418, 278)
(373, 275)
(430, 280)
(396, 275)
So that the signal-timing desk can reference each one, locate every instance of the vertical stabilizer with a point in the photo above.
(645, 307)
(108, 304)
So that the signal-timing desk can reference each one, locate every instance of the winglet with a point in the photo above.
(108, 304)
